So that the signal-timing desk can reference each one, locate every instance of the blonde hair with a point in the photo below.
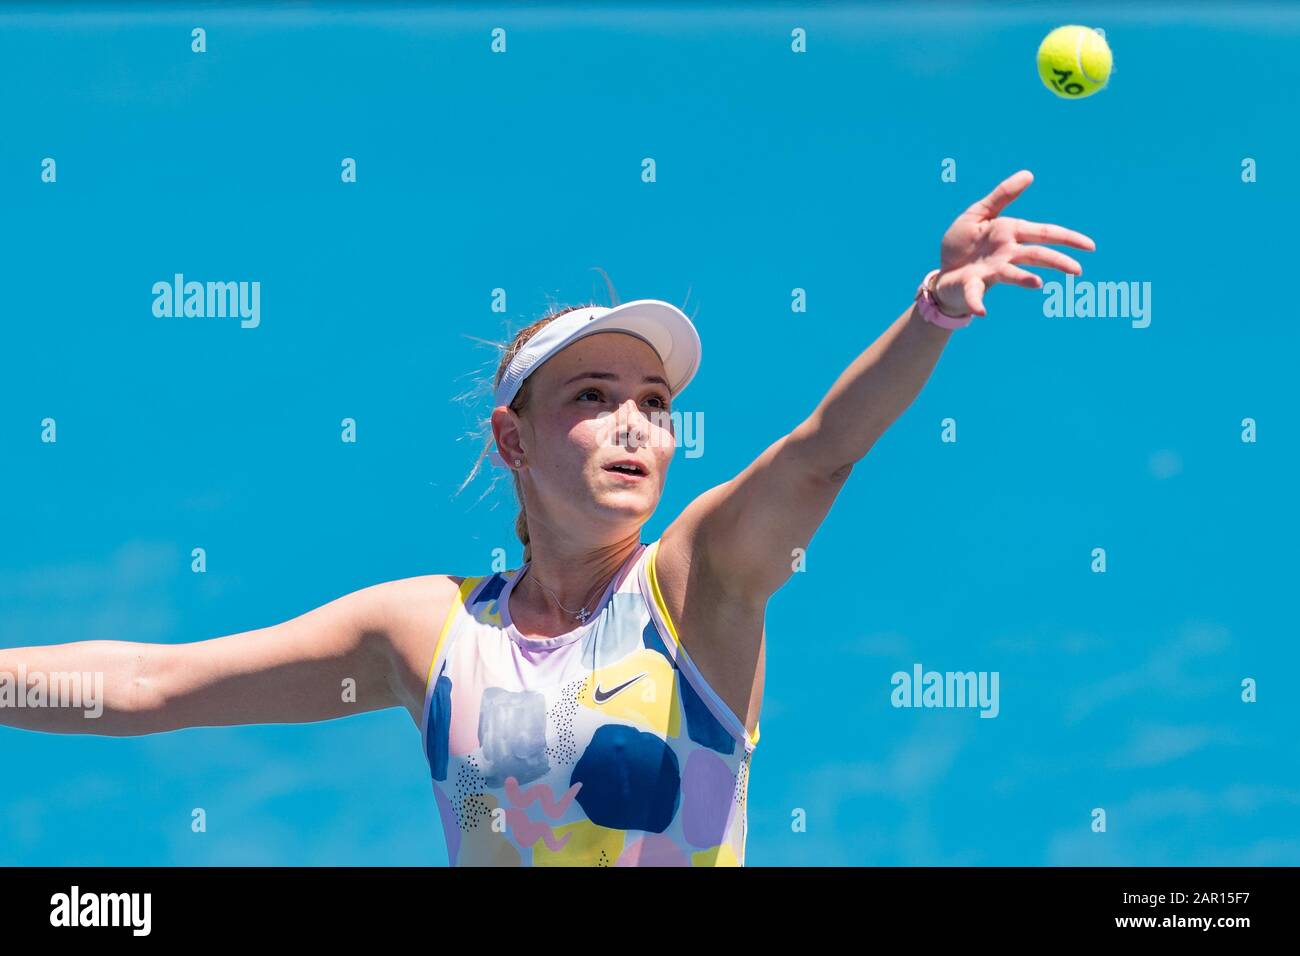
(520, 402)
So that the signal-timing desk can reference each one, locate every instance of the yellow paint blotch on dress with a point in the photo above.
(585, 846)
(722, 855)
(650, 700)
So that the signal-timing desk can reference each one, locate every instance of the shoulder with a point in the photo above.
(411, 612)
(396, 606)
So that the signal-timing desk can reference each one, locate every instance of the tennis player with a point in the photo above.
(599, 704)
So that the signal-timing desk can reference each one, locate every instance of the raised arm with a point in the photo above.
(738, 537)
(378, 640)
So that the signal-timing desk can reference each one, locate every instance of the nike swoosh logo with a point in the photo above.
(600, 696)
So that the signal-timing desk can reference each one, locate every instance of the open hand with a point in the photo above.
(983, 248)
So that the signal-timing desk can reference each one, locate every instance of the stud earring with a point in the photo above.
(518, 462)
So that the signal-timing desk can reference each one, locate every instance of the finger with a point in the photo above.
(1043, 256)
(1001, 197)
(1057, 235)
(1017, 276)
(974, 289)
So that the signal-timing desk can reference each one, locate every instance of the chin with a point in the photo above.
(626, 503)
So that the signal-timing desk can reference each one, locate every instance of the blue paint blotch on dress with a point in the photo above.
(615, 633)
(630, 780)
(492, 590)
(701, 725)
(440, 728)
(651, 639)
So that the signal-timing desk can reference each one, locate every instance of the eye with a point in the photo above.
(658, 402)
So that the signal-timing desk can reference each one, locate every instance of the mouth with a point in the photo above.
(627, 469)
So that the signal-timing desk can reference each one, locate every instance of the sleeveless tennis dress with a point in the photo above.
(600, 747)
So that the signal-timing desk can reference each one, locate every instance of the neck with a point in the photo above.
(575, 576)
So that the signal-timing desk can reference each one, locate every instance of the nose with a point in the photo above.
(632, 423)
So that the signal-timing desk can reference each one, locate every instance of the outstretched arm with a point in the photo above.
(377, 639)
(741, 534)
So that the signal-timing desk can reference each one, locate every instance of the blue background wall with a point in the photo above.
(775, 171)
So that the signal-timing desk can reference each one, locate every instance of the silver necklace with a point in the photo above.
(582, 613)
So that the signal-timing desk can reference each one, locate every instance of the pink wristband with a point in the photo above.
(929, 309)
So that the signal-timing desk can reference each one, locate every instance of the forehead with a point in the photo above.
(616, 352)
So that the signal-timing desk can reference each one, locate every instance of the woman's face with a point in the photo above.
(601, 400)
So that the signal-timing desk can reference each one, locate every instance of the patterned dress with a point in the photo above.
(600, 747)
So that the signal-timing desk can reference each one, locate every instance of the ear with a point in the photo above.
(506, 433)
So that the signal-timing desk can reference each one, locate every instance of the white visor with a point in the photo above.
(663, 326)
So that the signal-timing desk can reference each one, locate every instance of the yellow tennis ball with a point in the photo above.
(1074, 61)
